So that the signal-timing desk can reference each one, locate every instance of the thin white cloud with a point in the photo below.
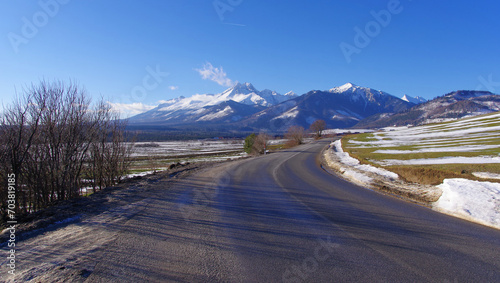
(209, 72)
(173, 87)
(234, 24)
(129, 110)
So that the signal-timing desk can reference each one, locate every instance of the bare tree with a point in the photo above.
(52, 139)
(18, 133)
(295, 135)
(318, 127)
(260, 143)
(109, 152)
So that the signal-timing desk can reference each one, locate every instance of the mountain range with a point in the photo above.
(232, 105)
(339, 107)
(244, 108)
(451, 106)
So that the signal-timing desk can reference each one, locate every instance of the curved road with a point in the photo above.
(281, 217)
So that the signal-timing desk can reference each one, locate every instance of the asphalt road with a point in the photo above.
(281, 217)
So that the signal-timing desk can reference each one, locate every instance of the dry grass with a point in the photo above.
(424, 176)
(435, 174)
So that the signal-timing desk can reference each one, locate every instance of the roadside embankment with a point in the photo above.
(377, 178)
(467, 199)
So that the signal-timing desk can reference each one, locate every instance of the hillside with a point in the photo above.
(451, 106)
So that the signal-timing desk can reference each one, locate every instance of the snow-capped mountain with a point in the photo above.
(451, 106)
(339, 107)
(247, 94)
(243, 107)
(231, 105)
(414, 100)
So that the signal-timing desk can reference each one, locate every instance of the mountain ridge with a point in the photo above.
(453, 105)
(246, 100)
(244, 107)
(414, 100)
(339, 107)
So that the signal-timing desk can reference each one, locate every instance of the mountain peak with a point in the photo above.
(348, 85)
(244, 87)
(414, 100)
(345, 87)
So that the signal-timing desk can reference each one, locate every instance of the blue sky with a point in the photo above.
(143, 52)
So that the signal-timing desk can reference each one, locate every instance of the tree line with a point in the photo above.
(56, 142)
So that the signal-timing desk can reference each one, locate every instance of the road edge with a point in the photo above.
(415, 193)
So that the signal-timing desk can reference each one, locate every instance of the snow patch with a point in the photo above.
(292, 113)
(415, 100)
(344, 156)
(357, 176)
(226, 111)
(346, 159)
(473, 200)
(463, 148)
(486, 175)
(442, 160)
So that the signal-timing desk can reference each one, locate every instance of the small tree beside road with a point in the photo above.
(295, 136)
(256, 144)
(249, 141)
(317, 127)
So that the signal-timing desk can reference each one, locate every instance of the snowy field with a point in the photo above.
(182, 148)
(150, 157)
(468, 141)
(472, 141)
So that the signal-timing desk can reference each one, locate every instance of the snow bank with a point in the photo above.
(354, 175)
(473, 200)
(344, 156)
(346, 159)
(486, 175)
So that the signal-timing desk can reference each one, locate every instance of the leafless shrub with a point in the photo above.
(295, 136)
(260, 143)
